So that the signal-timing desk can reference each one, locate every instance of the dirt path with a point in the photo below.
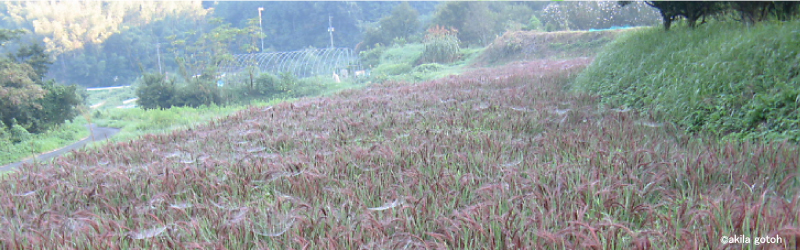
(99, 134)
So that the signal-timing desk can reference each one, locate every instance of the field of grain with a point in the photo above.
(501, 158)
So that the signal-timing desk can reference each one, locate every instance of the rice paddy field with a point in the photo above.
(499, 158)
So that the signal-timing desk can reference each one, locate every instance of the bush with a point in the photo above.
(372, 57)
(441, 45)
(18, 133)
(266, 84)
(197, 94)
(155, 91)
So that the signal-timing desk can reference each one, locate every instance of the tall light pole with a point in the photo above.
(261, 28)
(330, 29)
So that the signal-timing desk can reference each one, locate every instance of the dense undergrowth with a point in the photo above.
(499, 158)
(720, 78)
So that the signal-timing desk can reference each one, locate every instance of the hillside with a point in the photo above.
(722, 78)
(533, 45)
(492, 159)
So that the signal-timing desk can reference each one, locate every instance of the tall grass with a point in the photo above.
(723, 78)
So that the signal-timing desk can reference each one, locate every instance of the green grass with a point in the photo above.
(56, 138)
(110, 99)
(532, 45)
(399, 63)
(723, 78)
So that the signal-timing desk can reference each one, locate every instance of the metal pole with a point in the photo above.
(261, 28)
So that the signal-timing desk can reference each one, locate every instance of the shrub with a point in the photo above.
(372, 57)
(202, 92)
(441, 45)
(18, 133)
(155, 92)
(266, 84)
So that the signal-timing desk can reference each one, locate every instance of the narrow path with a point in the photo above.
(98, 134)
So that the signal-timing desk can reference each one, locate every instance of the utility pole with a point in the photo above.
(158, 56)
(261, 28)
(330, 29)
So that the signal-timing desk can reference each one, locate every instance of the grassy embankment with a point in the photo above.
(491, 159)
(721, 78)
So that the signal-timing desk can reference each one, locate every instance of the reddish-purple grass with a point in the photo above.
(500, 158)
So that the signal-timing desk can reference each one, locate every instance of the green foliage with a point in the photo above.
(400, 26)
(24, 99)
(196, 94)
(428, 67)
(585, 15)
(59, 104)
(392, 69)
(18, 133)
(267, 84)
(533, 24)
(29, 143)
(719, 78)
(441, 45)
(478, 23)
(201, 53)
(155, 91)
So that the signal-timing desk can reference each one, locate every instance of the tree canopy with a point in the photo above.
(26, 101)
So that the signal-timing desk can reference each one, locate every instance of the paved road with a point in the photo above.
(100, 134)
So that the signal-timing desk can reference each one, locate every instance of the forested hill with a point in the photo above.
(106, 43)
(112, 43)
(295, 25)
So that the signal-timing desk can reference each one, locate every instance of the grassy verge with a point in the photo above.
(35, 144)
(722, 78)
(499, 158)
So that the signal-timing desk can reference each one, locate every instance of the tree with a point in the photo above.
(752, 12)
(26, 102)
(402, 23)
(155, 92)
(58, 105)
(692, 11)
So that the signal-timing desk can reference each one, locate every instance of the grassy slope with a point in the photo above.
(492, 159)
(533, 45)
(720, 78)
(397, 63)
